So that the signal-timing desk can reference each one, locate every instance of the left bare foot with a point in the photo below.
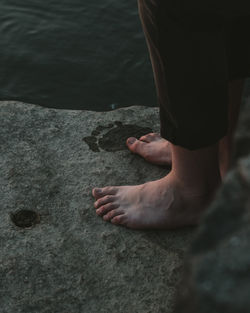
(160, 204)
(152, 147)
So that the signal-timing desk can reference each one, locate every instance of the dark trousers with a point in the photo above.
(195, 49)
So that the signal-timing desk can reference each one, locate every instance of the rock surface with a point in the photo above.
(217, 272)
(62, 258)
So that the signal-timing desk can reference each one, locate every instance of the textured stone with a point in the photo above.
(68, 259)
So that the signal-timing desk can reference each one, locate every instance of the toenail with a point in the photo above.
(131, 140)
(98, 190)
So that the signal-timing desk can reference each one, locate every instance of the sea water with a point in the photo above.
(74, 54)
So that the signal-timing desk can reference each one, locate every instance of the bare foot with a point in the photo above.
(152, 147)
(163, 203)
(157, 150)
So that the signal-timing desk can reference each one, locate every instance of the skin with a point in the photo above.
(179, 198)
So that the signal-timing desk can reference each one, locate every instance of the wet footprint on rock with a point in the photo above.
(113, 136)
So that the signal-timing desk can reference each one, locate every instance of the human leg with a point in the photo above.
(185, 67)
(157, 150)
(190, 75)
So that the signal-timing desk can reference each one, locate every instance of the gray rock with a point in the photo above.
(242, 136)
(61, 257)
(217, 272)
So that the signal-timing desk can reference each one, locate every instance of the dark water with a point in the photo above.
(74, 54)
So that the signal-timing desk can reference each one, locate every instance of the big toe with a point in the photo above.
(136, 146)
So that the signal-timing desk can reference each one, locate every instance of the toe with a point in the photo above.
(119, 220)
(104, 200)
(130, 141)
(104, 209)
(137, 146)
(146, 137)
(101, 192)
(150, 137)
(111, 214)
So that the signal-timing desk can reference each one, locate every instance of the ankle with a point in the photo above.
(196, 171)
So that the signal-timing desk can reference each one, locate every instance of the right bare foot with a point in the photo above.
(152, 147)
